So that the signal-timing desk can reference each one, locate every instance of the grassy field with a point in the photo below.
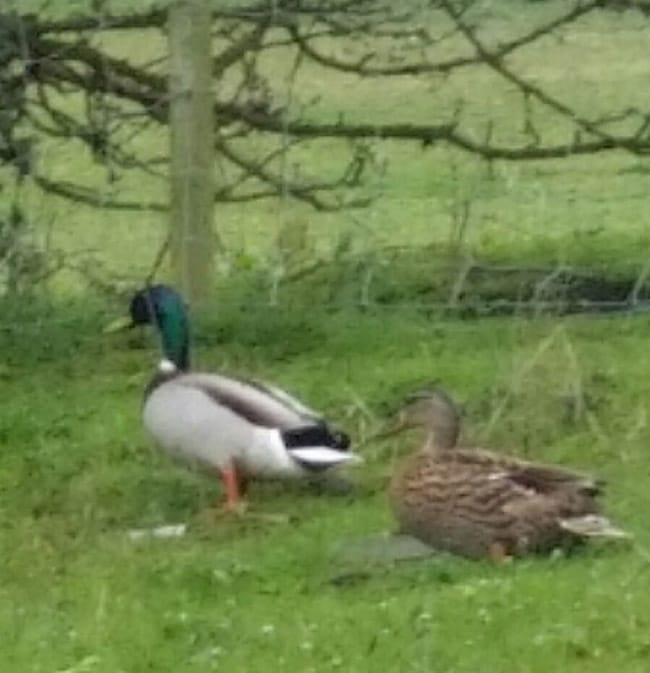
(76, 472)
(77, 594)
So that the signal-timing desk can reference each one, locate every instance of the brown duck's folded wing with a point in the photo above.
(536, 476)
(545, 479)
(541, 511)
(527, 501)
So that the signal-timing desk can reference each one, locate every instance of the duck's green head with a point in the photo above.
(162, 306)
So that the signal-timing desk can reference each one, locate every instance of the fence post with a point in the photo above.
(192, 147)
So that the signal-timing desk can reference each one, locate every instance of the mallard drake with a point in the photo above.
(476, 503)
(230, 426)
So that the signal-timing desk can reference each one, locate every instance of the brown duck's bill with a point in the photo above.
(118, 325)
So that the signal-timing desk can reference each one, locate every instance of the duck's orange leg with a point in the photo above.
(233, 486)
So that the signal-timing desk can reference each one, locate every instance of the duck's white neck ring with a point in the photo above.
(166, 366)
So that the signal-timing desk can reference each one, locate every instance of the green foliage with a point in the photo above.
(23, 263)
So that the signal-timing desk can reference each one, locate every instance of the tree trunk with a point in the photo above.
(192, 147)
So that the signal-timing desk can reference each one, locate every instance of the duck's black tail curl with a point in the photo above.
(316, 435)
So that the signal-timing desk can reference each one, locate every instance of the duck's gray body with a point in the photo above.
(214, 422)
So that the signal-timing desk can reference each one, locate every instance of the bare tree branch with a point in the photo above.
(362, 67)
(123, 99)
(278, 11)
(90, 197)
(633, 143)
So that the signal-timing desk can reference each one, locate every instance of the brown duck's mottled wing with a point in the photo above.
(546, 479)
(442, 486)
(536, 476)
(455, 505)
(550, 519)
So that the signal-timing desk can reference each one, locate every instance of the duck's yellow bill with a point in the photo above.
(118, 325)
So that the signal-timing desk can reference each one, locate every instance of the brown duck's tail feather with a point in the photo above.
(593, 525)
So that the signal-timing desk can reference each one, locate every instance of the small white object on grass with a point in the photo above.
(160, 532)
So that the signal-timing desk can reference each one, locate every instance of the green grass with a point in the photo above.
(76, 472)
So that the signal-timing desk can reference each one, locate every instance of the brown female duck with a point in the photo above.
(476, 503)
